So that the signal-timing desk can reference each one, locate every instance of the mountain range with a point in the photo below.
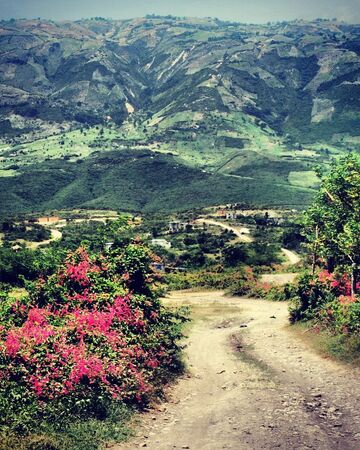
(168, 113)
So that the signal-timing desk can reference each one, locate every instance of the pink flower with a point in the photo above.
(12, 343)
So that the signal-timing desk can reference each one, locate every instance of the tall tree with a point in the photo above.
(332, 223)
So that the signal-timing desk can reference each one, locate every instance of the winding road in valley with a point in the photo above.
(292, 257)
(242, 233)
(252, 383)
(56, 235)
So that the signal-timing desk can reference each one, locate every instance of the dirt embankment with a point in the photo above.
(252, 384)
(242, 233)
(292, 257)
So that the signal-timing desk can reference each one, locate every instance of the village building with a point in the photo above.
(177, 226)
(221, 213)
(47, 220)
(231, 214)
(160, 267)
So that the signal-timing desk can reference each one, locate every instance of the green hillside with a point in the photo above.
(244, 112)
(136, 181)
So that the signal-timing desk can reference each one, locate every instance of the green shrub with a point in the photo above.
(85, 342)
(325, 298)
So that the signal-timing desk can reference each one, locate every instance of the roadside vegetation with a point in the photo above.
(85, 344)
(85, 340)
(327, 295)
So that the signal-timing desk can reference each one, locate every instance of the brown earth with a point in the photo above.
(252, 384)
(242, 233)
(279, 279)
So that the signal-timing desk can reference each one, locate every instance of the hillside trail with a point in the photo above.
(56, 235)
(251, 384)
(243, 235)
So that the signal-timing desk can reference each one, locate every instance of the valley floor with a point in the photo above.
(252, 384)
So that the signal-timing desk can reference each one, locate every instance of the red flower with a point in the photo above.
(12, 343)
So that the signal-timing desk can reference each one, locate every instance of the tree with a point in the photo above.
(332, 223)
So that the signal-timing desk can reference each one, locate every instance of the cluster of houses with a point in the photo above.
(233, 212)
(229, 214)
(177, 226)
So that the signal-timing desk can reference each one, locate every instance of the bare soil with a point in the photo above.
(279, 279)
(242, 233)
(252, 384)
(292, 257)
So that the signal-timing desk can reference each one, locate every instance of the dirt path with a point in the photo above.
(56, 235)
(293, 257)
(252, 385)
(279, 279)
(242, 233)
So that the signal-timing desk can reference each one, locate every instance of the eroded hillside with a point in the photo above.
(245, 101)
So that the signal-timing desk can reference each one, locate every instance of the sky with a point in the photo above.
(254, 11)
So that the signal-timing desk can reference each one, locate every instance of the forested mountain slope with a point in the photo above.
(253, 102)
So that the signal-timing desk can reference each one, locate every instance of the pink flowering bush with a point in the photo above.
(91, 334)
(326, 297)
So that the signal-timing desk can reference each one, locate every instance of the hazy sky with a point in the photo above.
(239, 10)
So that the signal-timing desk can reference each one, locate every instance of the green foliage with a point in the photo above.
(293, 237)
(326, 299)
(126, 180)
(89, 342)
(258, 253)
(332, 223)
(309, 297)
(33, 233)
(95, 234)
(212, 278)
(65, 431)
(25, 264)
(329, 298)
(238, 282)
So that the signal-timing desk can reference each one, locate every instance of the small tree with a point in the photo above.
(332, 223)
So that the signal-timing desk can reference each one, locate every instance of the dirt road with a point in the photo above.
(242, 233)
(252, 385)
(56, 235)
(293, 257)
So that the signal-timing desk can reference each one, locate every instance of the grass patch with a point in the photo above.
(342, 347)
(89, 434)
(306, 179)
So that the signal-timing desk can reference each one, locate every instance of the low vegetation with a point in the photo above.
(327, 297)
(86, 341)
(82, 348)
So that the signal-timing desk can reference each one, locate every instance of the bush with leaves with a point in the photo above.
(89, 335)
(327, 298)
(332, 222)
